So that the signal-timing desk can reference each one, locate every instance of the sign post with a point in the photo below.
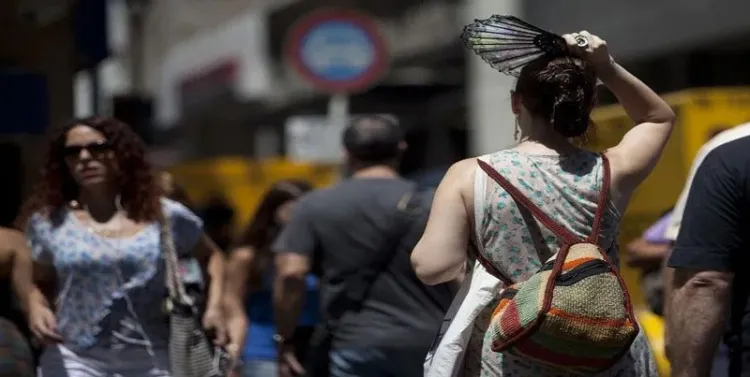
(339, 52)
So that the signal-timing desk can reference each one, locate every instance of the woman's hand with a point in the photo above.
(595, 49)
(43, 324)
(214, 324)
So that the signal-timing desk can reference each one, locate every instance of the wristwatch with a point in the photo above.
(279, 339)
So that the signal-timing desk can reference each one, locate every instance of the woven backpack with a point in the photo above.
(574, 314)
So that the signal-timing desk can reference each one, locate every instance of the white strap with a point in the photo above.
(480, 188)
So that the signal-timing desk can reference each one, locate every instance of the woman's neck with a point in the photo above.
(100, 205)
(539, 137)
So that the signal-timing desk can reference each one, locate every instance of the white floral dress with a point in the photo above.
(566, 188)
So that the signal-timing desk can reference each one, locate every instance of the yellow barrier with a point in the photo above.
(242, 181)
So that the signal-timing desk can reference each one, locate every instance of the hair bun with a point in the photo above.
(570, 116)
(561, 91)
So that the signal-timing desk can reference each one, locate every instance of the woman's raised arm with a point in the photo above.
(640, 149)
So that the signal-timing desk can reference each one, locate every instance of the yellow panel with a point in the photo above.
(244, 181)
(711, 110)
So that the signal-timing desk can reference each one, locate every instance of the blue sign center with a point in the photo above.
(338, 50)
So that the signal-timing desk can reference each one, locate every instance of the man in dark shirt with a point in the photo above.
(339, 229)
(713, 246)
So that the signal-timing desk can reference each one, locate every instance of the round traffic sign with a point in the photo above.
(338, 51)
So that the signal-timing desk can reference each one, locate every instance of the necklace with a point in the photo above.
(96, 228)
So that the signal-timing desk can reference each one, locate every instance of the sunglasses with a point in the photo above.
(96, 149)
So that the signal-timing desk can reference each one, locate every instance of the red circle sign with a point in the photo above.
(337, 51)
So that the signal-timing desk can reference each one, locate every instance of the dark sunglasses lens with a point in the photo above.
(98, 149)
(72, 151)
(93, 149)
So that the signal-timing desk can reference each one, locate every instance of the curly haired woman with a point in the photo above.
(93, 227)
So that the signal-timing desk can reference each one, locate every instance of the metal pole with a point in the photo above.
(338, 115)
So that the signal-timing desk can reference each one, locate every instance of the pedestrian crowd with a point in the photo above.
(510, 267)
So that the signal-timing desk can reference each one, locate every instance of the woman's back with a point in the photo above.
(552, 102)
(566, 188)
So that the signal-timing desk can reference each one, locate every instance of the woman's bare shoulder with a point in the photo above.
(11, 237)
(460, 177)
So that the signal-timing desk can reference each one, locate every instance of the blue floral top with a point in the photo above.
(110, 290)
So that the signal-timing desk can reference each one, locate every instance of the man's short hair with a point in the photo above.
(373, 139)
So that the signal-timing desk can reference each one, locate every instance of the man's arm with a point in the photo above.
(696, 320)
(294, 248)
(711, 236)
(289, 292)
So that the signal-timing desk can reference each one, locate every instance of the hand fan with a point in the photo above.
(507, 43)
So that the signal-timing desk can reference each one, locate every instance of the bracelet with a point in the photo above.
(279, 339)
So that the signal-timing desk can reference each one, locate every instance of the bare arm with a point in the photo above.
(696, 320)
(237, 280)
(289, 291)
(667, 309)
(294, 250)
(645, 254)
(440, 255)
(636, 155)
(212, 260)
(38, 300)
(16, 261)
(711, 239)
(22, 275)
(639, 151)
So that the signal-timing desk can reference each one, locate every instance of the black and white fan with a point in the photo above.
(507, 43)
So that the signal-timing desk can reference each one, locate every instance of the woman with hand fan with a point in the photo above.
(546, 298)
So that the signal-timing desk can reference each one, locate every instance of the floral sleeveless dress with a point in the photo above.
(567, 188)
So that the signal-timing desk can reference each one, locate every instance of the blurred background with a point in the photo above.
(232, 95)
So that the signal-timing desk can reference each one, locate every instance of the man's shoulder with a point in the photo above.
(356, 190)
(733, 154)
(728, 135)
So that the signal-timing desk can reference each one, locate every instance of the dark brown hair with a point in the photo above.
(373, 140)
(561, 90)
(264, 226)
(139, 190)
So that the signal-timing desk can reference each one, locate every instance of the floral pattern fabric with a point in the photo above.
(567, 188)
(110, 290)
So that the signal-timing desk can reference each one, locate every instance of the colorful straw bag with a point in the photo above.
(575, 312)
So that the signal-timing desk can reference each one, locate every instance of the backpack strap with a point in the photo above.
(558, 230)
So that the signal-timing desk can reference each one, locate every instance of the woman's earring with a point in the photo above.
(517, 133)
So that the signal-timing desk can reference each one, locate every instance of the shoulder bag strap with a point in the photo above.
(360, 284)
(175, 286)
